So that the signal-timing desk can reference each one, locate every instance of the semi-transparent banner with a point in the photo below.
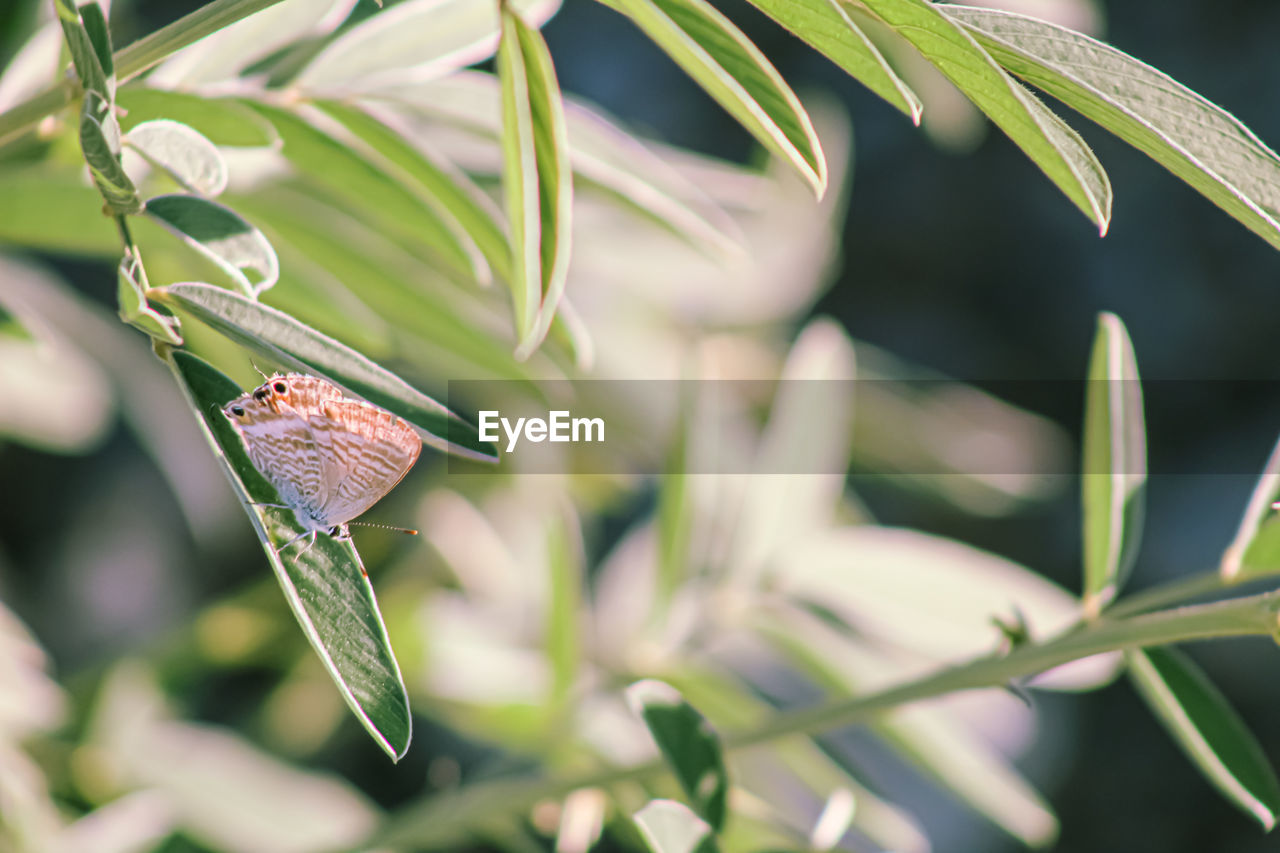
(1005, 428)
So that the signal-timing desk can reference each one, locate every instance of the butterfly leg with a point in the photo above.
(301, 535)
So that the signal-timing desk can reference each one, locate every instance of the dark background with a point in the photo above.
(977, 266)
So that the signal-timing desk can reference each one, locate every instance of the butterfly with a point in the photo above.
(330, 457)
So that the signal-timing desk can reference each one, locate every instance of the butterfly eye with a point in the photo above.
(280, 388)
(260, 395)
(238, 411)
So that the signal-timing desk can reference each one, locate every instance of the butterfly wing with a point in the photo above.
(364, 452)
(281, 446)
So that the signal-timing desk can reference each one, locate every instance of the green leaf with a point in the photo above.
(95, 26)
(369, 266)
(182, 152)
(601, 154)
(221, 235)
(1256, 545)
(1115, 464)
(233, 35)
(688, 745)
(133, 307)
(418, 39)
(1201, 143)
(46, 208)
(536, 179)
(283, 339)
(670, 827)
(733, 71)
(827, 27)
(84, 50)
(1208, 729)
(1054, 147)
(564, 633)
(354, 183)
(455, 197)
(325, 585)
(100, 143)
(223, 121)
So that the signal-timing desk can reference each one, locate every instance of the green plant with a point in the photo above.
(369, 190)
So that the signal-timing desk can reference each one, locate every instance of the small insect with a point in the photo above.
(329, 457)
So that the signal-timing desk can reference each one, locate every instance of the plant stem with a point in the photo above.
(1183, 590)
(450, 817)
(134, 59)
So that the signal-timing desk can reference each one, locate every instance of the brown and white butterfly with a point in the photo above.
(330, 457)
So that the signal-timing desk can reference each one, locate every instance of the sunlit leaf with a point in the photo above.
(1208, 729)
(230, 50)
(1054, 147)
(670, 827)
(826, 26)
(418, 40)
(688, 744)
(283, 339)
(564, 633)
(84, 52)
(602, 154)
(133, 307)
(100, 143)
(325, 584)
(185, 154)
(1198, 141)
(353, 182)
(450, 192)
(1256, 545)
(537, 181)
(223, 121)
(728, 65)
(1115, 463)
(221, 235)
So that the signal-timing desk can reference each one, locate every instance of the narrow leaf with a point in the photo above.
(220, 234)
(537, 180)
(84, 54)
(453, 195)
(725, 63)
(688, 744)
(244, 40)
(281, 338)
(600, 152)
(564, 633)
(95, 27)
(223, 121)
(827, 27)
(325, 585)
(417, 39)
(1256, 545)
(1115, 464)
(1056, 149)
(100, 143)
(1204, 145)
(1208, 729)
(133, 307)
(184, 153)
(670, 827)
(355, 183)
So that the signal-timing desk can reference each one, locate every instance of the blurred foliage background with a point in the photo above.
(943, 249)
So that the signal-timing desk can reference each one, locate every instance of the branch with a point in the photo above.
(134, 59)
(450, 818)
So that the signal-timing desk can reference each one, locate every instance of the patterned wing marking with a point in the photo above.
(365, 452)
(281, 446)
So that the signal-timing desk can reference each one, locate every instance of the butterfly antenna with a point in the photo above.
(260, 373)
(408, 530)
